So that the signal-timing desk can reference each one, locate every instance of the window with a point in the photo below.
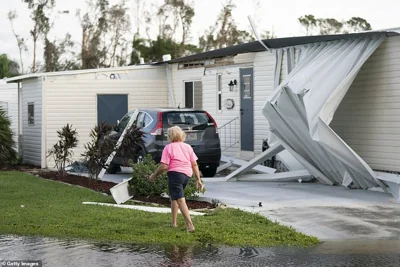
(189, 95)
(147, 120)
(194, 94)
(219, 91)
(4, 107)
(124, 122)
(31, 113)
(143, 120)
(185, 118)
(247, 86)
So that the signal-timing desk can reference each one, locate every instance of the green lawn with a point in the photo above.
(33, 206)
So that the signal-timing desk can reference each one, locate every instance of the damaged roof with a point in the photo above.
(276, 43)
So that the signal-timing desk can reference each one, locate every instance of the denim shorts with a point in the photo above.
(177, 183)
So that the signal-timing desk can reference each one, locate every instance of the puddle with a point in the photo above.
(74, 253)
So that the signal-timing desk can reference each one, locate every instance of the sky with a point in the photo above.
(277, 16)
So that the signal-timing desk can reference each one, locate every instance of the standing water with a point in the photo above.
(53, 252)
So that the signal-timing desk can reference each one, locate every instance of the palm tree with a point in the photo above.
(8, 68)
(7, 153)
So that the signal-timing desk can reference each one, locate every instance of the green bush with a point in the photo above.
(140, 186)
(8, 155)
(62, 151)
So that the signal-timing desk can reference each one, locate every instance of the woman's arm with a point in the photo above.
(197, 174)
(161, 169)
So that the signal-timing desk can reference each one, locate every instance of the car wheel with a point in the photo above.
(140, 156)
(209, 172)
(113, 168)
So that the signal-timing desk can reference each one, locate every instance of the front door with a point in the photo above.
(111, 108)
(247, 109)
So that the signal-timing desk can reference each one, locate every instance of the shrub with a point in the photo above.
(102, 145)
(7, 153)
(98, 149)
(131, 143)
(62, 150)
(140, 186)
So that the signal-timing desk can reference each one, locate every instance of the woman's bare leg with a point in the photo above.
(185, 212)
(174, 212)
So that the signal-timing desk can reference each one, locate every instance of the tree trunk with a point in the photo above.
(34, 55)
(20, 58)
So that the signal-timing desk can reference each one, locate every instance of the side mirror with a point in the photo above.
(117, 122)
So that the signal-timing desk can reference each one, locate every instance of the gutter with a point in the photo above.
(171, 93)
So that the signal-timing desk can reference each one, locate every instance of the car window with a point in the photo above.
(186, 118)
(147, 120)
(122, 124)
(140, 119)
(143, 120)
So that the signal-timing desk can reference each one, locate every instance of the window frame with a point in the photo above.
(219, 93)
(192, 82)
(31, 122)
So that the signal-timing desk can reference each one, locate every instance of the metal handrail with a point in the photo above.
(225, 127)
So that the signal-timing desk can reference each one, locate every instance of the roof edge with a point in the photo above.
(75, 72)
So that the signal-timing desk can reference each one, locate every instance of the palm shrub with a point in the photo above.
(140, 186)
(102, 145)
(98, 149)
(8, 155)
(62, 151)
(131, 143)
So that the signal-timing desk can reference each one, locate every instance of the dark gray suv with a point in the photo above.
(200, 128)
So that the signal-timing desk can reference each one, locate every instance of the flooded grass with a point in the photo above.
(32, 206)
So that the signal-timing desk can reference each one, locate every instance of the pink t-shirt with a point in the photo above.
(179, 157)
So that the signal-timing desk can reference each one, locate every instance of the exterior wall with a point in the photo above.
(179, 76)
(210, 98)
(73, 99)
(9, 95)
(368, 119)
(31, 92)
(264, 67)
(264, 71)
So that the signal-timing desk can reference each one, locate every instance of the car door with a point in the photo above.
(143, 122)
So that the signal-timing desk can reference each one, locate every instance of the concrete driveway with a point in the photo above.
(327, 212)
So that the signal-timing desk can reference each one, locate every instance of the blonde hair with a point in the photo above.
(175, 134)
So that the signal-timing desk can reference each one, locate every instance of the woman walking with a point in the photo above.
(179, 159)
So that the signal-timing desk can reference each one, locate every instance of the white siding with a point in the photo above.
(73, 99)
(264, 67)
(210, 100)
(178, 79)
(264, 71)
(32, 134)
(368, 119)
(9, 95)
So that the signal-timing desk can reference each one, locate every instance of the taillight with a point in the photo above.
(214, 122)
(158, 129)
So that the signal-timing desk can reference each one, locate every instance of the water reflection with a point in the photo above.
(75, 253)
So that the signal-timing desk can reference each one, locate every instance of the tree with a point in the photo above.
(329, 26)
(119, 26)
(309, 22)
(7, 153)
(41, 22)
(58, 55)
(8, 68)
(357, 24)
(94, 27)
(326, 26)
(12, 15)
(225, 31)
